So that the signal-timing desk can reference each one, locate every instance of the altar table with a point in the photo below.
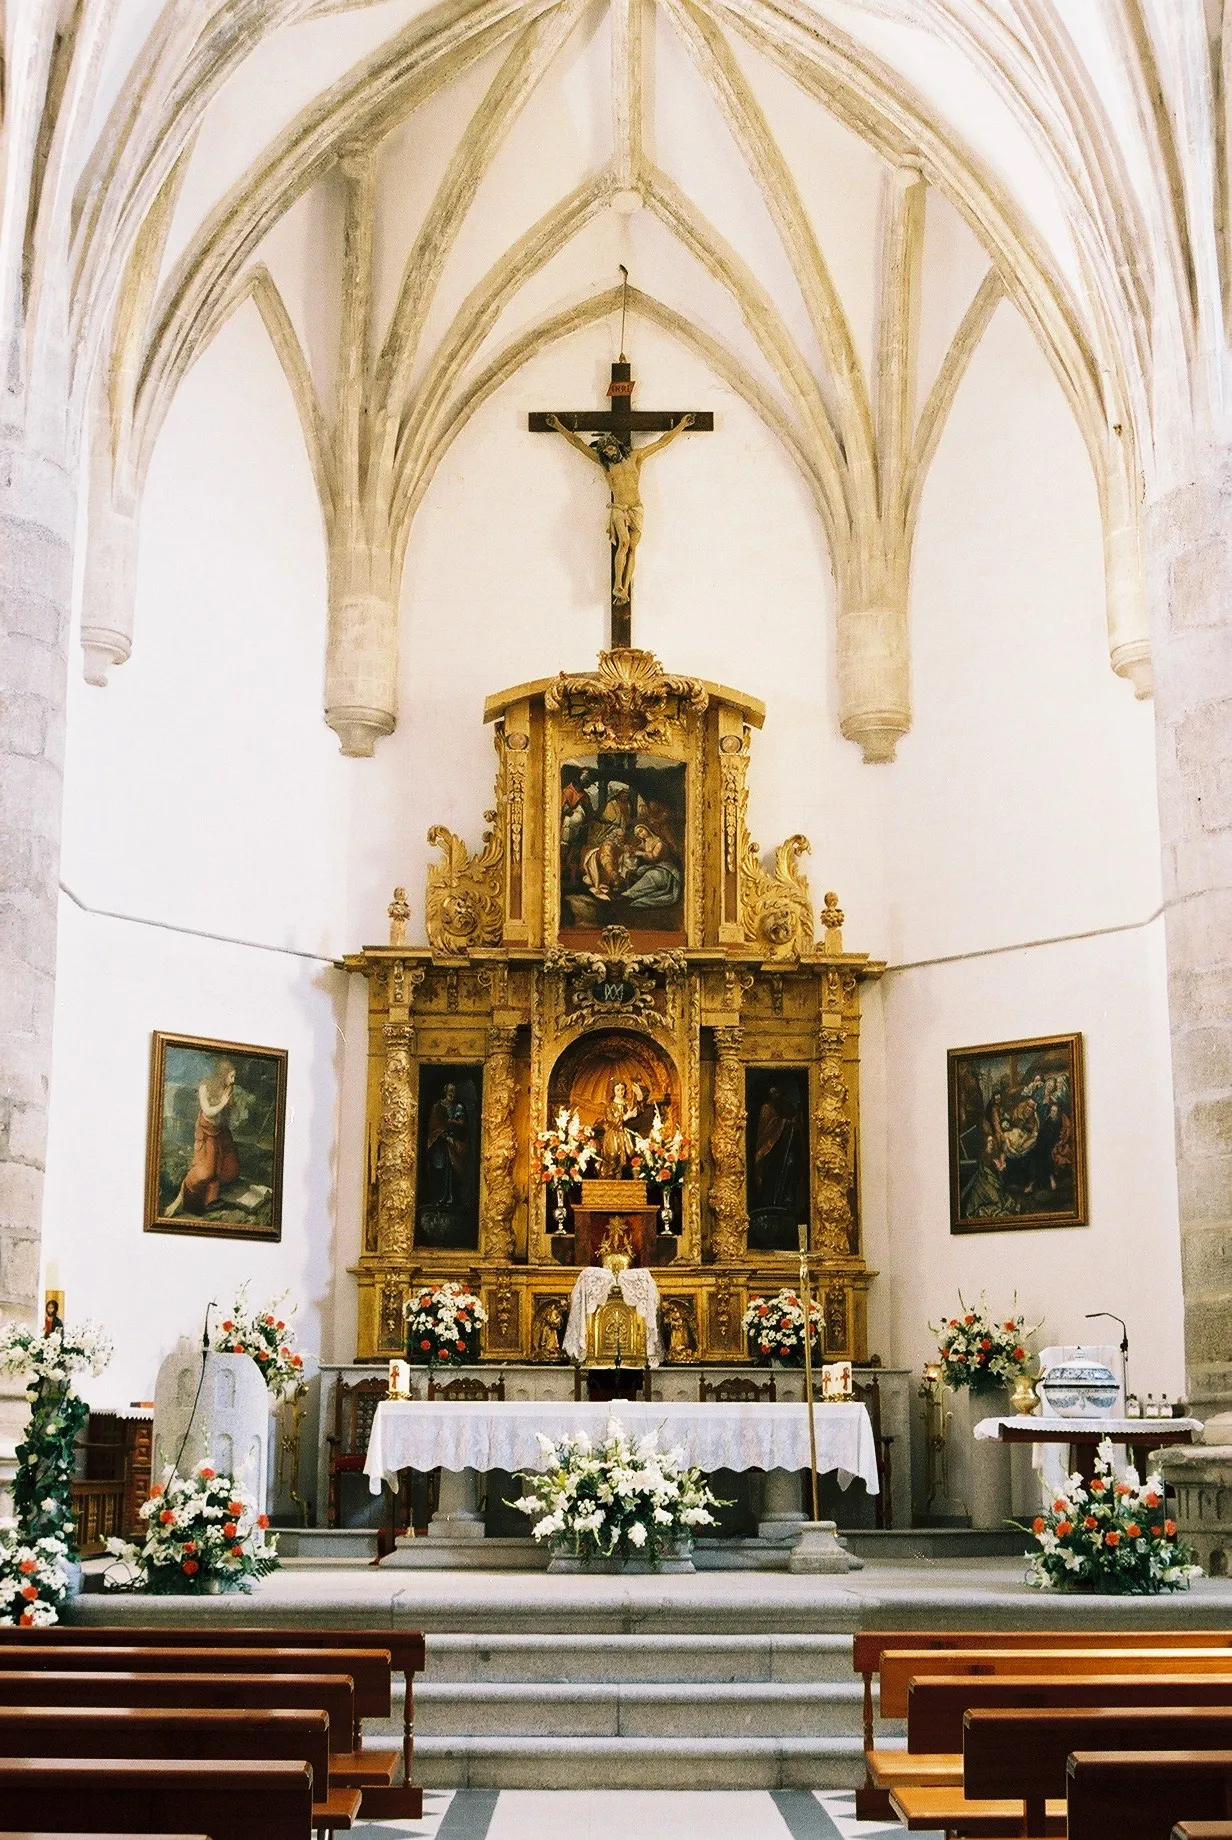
(502, 1434)
(1083, 1436)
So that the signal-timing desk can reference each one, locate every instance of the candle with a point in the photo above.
(399, 1380)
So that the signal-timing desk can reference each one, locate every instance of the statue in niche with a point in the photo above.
(615, 1138)
(622, 464)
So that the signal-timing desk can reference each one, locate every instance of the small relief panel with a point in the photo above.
(776, 1104)
(447, 1202)
(622, 848)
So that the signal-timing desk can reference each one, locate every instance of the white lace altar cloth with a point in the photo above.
(1051, 1455)
(501, 1434)
(592, 1290)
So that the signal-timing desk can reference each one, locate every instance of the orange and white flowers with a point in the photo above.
(981, 1351)
(203, 1533)
(775, 1328)
(1109, 1536)
(33, 1577)
(442, 1324)
(268, 1337)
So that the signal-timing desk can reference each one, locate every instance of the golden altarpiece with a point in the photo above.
(616, 947)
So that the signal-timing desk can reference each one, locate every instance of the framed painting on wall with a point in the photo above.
(450, 1116)
(214, 1144)
(1017, 1135)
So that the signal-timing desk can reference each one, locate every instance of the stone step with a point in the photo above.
(638, 1763)
(599, 1658)
(683, 1709)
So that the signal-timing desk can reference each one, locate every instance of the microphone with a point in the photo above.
(205, 1327)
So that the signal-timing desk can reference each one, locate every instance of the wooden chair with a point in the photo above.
(355, 1404)
(739, 1388)
(126, 1731)
(230, 1801)
(466, 1386)
(1140, 1795)
(868, 1393)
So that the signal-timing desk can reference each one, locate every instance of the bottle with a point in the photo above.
(1150, 1410)
(1133, 1406)
(1165, 1410)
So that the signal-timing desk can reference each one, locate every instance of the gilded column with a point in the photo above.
(832, 1219)
(499, 1092)
(727, 1195)
(399, 1120)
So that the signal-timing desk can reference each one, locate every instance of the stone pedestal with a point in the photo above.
(220, 1417)
(980, 1476)
(1201, 1475)
(818, 1550)
(457, 1516)
(781, 1516)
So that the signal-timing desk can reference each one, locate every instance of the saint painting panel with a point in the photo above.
(622, 848)
(1017, 1136)
(777, 1150)
(215, 1140)
(447, 1198)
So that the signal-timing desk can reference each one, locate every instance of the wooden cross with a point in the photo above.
(621, 464)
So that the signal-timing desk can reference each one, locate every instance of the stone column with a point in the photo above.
(36, 525)
(1190, 587)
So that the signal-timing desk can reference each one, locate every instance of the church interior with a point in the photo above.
(616, 823)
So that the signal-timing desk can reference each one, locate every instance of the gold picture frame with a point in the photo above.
(215, 1138)
(1017, 1135)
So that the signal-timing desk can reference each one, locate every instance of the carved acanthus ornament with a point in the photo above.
(614, 979)
(395, 1165)
(514, 789)
(832, 1220)
(464, 906)
(499, 1148)
(630, 701)
(727, 1196)
(778, 911)
(734, 793)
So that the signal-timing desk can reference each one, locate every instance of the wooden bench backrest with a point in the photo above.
(159, 1731)
(900, 1667)
(1202, 1830)
(405, 1648)
(328, 1693)
(370, 1670)
(1023, 1755)
(870, 1644)
(1140, 1795)
(230, 1801)
(936, 1708)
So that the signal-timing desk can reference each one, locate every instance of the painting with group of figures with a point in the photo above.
(1017, 1135)
(622, 854)
(450, 1113)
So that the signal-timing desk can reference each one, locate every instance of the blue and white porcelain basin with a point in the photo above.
(1079, 1389)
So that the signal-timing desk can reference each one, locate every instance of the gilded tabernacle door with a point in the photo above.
(611, 965)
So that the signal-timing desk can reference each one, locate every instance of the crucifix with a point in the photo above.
(622, 462)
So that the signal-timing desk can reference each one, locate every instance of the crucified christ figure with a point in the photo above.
(622, 464)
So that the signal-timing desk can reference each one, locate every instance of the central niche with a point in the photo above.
(611, 1068)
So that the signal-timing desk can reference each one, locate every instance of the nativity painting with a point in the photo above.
(622, 831)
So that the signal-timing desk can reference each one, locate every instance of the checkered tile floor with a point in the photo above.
(785, 1814)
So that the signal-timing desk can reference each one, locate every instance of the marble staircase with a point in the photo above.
(618, 1711)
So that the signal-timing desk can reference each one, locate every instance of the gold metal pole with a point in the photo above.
(806, 1297)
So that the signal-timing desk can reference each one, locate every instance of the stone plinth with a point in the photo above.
(819, 1550)
(220, 1417)
(1201, 1475)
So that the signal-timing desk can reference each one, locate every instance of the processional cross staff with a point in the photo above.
(622, 462)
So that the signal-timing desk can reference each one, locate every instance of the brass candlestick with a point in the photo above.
(806, 1296)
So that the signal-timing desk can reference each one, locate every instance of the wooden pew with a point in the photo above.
(900, 1667)
(129, 1731)
(868, 1647)
(1184, 1830)
(1140, 1795)
(1025, 1754)
(404, 1647)
(328, 1693)
(231, 1801)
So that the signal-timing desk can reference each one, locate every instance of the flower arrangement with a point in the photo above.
(268, 1338)
(661, 1159)
(980, 1352)
(203, 1534)
(42, 1487)
(566, 1150)
(775, 1329)
(615, 1499)
(1110, 1536)
(442, 1324)
(33, 1577)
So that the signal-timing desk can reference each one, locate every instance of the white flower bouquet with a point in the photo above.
(442, 1324)
(33, 1577)
(566, 1150)
(57, 1356)
(43, 1486)
(981, 1352)
(203, 1534)
(775, 1329)
(616, 1499)
(1110, 1536)
(268, 1338)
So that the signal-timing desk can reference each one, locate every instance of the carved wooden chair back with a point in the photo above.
(868, 1391)
(355, 1404)
(738, 1388)
(466, 1386)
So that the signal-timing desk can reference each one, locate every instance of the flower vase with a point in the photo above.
(677, 1557)
(980, 1478)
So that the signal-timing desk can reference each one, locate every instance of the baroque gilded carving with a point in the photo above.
(832, 1222)
(514, 771)
(464, 906)
(499, 1148)
(734, 794)
(727, 1196)
(630, 701)
(614, 980)
(396, 1145)
(777, 909)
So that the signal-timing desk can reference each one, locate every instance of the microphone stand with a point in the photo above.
(1095, 1316)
